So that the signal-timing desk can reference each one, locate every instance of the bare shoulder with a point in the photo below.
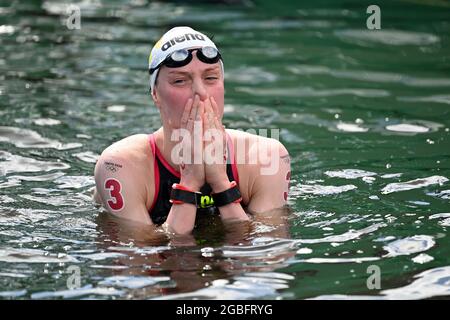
(130, 162)
(135, 148)
(255, 154)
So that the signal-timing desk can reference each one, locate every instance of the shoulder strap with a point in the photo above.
(155, 170)
(232, 158)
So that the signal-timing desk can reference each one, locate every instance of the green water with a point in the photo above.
(364, 115)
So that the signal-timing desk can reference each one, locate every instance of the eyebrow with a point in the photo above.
(184, 72)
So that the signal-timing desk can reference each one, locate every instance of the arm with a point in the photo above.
(271, 184)
(215, 162)
(120, 187)
(181, 218)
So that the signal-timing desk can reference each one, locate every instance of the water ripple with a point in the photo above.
(389, 37)
(261, 250)
(13, 294)
(442, 98)
(250, 75)
(319, 190)
(311, 92)
(24, 138)
(428, 284)
(78, 292)
(422, 258)
(101, 256)
(350, 127)
(88, 156)
(405, 127)
(336, 260)
(410, 245)
(132, 282)
(246, 286)
(346, 236)
(14, 163)
(350, 173)
(444, 194)
(74, 182)
(33, 256)
(445, 222)
(413, 184)
(369, 76)
(431, 283)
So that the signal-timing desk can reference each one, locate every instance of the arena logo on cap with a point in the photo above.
(186, 37)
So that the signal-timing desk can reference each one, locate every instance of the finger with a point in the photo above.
(214, 106)
(186, 112)
(206, 120)
(200, 111)
(193, 114)
(190, 124)
(198, 134)
(208, 107)
(211, 118)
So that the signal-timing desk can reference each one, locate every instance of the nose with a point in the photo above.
(199, 88)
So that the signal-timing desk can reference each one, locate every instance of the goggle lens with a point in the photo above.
(182, 57)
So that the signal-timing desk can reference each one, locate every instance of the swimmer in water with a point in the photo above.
(192, 165)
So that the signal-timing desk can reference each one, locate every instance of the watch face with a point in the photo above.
(206, 201)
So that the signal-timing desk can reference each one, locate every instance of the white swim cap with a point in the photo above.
(175, 39)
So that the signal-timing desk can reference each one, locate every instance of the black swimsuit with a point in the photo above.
(166, 175)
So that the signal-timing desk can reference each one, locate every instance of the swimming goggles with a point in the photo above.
(182, 57)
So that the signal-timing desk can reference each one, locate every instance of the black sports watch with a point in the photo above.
(181, 194)
(228, 196)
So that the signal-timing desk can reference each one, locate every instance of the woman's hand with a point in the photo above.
(215, 148)
(191, 166)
